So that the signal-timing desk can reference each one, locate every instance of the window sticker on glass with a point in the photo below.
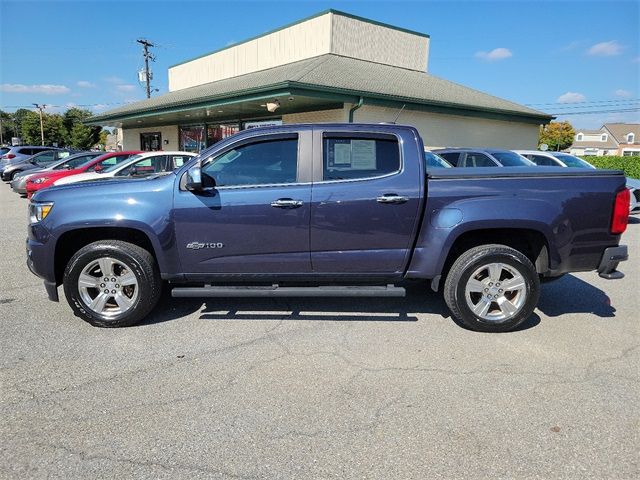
(363, 154)
(342, 154)
(178, 161)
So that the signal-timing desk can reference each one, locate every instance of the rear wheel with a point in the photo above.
(492, 288)
(112, 283)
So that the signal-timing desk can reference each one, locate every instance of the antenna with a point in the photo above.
(398, 115)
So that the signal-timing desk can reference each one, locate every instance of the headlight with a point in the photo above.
(39, 211)
(41, 179)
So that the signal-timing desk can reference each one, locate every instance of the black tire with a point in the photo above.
(469, 262)
(142, 265)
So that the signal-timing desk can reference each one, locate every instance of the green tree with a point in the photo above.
(53, 126)
(8, 126)
(558, 135)
(55, 131)
(80, 136)
(83, 137)
(29, 127)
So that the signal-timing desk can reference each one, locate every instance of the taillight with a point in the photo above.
(620, 216)
(9, 156)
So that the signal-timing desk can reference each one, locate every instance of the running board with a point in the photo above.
(277, 291)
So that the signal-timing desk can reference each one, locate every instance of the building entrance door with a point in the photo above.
(150, 141)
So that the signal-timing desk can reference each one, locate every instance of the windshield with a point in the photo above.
(129, 161)
(571, 161)
(512, 159)
(434, 161)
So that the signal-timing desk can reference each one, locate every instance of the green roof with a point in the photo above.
(335, 75)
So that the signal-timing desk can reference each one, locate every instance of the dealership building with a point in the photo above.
(332, 67)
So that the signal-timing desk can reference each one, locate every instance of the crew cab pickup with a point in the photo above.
(326, 210)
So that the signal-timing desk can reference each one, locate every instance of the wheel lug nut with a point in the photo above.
(106, 279)
(490, 284)
(500, 290)
(114, 292)
(498, 284)
(486, 289)
(118, 286)
(113, 279)
(106, 290)
(102, 285)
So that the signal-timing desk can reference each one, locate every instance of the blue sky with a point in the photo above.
(558, 56)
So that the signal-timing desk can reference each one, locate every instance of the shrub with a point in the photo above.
(630, 165)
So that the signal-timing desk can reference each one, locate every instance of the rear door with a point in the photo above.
(366, 199)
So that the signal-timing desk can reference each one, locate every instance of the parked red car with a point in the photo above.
(44, 180)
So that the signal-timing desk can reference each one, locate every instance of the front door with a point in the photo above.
(150, 141)
(365, 203)
(256, 219)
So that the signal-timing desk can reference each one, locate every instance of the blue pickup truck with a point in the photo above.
(326, 210)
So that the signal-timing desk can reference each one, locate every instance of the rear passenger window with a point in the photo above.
(347, 158)
(478, 160)
(452, 158)
(542, 161)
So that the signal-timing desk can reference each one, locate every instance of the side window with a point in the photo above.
(346, 158)
(46, 157)
(542, 161)
(452, 158)
(260, 163)
(178, 160)
(25, 151)
(478, 160)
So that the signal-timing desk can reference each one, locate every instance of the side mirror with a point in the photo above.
(194, 179)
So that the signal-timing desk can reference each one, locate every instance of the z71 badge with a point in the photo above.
(200, 245)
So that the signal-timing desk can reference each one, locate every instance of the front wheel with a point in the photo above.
(112, 283)
(492, 288)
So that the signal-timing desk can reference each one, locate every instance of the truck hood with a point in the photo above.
(90, 190)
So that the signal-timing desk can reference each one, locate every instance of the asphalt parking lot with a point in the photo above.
(321, 388)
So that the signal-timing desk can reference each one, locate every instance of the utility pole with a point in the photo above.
(41, 108)
(146, 44)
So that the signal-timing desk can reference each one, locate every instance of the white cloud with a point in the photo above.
(46, 89)
(622, 93)
(570, 46)
(126, 87)
(496, 54)
(114, 80)
(605, 49)
(571, 97)
(85, 84)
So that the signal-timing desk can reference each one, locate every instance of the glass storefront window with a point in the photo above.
(215, 133)
(192, 138)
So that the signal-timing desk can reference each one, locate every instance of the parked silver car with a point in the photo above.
(39, 160)
(13, 155)
(19, 182)
(561, 159)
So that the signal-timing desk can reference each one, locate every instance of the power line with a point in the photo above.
(586, 102)
(590, 112)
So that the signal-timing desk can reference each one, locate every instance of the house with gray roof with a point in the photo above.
(610, 139)
(331, 67)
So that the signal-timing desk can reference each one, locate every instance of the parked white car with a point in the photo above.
(140, 165)
(560, 159)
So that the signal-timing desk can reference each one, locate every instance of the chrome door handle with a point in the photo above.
(392, 198)
(286, 203)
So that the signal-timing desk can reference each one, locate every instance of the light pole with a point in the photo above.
(40, 109)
